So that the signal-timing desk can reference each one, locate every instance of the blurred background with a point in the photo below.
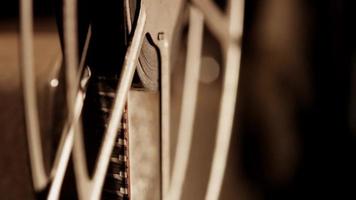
(295, 123)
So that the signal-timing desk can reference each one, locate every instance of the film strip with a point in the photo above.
(117, 180)
(102, 94)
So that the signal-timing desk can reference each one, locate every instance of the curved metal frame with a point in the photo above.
(156, 18)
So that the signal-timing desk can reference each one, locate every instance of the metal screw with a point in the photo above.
(160, 36)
